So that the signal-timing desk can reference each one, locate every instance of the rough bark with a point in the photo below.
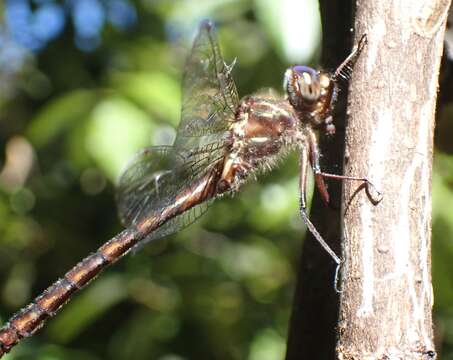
(386, 303)
(385, 310)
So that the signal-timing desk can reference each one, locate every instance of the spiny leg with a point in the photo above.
(374, 194)
(313, 150)
(310, 153)
(371, 190)
(304, 164)
(345, 69)
(318, 236)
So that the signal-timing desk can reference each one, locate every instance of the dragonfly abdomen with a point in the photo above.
(33, 316)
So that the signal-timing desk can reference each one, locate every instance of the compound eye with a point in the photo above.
(324, 81)
(308, 82)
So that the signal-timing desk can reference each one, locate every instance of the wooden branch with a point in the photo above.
(386, 303)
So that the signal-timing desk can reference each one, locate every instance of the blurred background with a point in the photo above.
(84, 84)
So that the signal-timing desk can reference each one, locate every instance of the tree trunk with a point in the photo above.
(386, 303)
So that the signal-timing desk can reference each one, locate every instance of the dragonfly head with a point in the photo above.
(310, 92)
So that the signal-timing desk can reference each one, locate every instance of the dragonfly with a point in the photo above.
(221, 142)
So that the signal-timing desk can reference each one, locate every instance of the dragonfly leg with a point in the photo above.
(318, 236)
(304, 164)
(314, 158)
(374, 194)
(344, 70)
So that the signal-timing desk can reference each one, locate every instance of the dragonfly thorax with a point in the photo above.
(263, 128)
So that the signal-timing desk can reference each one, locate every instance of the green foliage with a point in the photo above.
(70, 119)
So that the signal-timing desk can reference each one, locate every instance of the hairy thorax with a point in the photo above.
(262, 130)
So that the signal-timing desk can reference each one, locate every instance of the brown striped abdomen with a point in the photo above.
(32, 317)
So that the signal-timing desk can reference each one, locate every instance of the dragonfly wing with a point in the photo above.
(177, 223)
(156, 175)
(152, 180)
(209, 95)
(144, 183)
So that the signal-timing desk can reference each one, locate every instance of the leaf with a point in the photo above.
(155, 92)
(59, 115)
(117, 130)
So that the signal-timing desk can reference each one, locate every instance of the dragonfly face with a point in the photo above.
(312, 93)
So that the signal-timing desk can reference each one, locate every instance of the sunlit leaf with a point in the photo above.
(155, 92)
(267, 345)
(294, 26)
(60, 115)
(117, 130)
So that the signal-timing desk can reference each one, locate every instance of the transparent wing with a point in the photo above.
(209, 96)
(178, 222)
(158, 174)
(145, 183)
(152, 180)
